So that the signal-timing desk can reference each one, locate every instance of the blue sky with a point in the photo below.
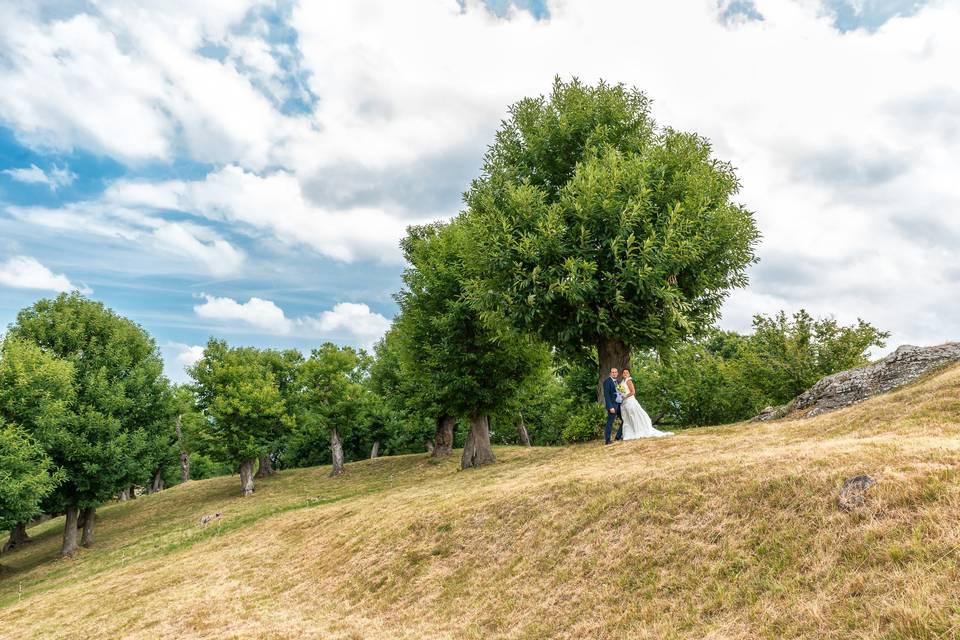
(245, 169)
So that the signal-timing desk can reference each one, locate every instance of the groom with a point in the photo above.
(613, 398)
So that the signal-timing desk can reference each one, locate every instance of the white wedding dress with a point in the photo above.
(636, 422)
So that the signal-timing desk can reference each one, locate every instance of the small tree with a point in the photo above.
(26, 478)
(117, 395)
(468, 364)
(238, 391)
(595, 229)
(331, 398)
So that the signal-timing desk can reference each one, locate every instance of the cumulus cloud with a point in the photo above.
(348, 322)
(24, 272)
(352, 319)
(58, 176)
(255, 312)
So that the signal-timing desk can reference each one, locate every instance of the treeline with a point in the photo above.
(592, 236)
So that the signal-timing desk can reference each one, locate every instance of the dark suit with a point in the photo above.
(610, 398)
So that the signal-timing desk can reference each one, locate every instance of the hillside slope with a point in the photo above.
(724, 532)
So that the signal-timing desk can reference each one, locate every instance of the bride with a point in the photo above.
(636, 422)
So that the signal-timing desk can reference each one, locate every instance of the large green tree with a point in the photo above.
(467, 364)
(240, 392)
(596, 229)
(118, 398)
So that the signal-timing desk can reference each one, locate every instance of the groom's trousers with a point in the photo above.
(609, 428)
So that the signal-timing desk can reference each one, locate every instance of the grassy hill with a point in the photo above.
(724, 532)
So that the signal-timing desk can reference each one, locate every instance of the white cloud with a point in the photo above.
(24, 272)
(351, 319)
(129, 215)
(217, 255)
(349, 322)
(58, 176)
(177, 356)
(255, 312)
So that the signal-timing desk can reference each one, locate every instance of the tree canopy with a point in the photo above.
(594, 228)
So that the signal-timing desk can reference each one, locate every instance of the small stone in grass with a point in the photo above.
(853, 493)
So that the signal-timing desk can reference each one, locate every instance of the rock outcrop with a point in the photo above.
(843, 389)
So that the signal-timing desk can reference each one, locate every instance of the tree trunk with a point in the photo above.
(611, 353)
(336, 450)
(524, 435)
(184, 456)
(246, 476)
(375, 451)
(156, 485)
(430, 447)
(124, 495)
(133, 492)
(477, 451)
(18, 537)
(266, 467)
(89, 519)
(70, 533)
(443, 438)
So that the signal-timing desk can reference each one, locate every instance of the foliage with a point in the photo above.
(26, 476)
(697, 383)
(584, 423)
(788, 356)
(590, 224)
(115, 402)
(332, 397)
(724, 377)
(463, 363)
(240, 392)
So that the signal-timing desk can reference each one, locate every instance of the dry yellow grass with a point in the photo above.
(723, 532)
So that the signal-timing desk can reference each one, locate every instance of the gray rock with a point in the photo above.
(901, 367)
(853, 493)
(773, 413)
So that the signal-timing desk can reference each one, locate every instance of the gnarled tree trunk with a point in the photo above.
(443, 438)
(375, 450)
(124, 495)
(611, 353)
(246, 477)
(477, 450)
(266, 467)
(336, 451)
(156, 484)
(184, 456)
(89, 519)
(522, 431)
(18, 537)
(69, 546)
